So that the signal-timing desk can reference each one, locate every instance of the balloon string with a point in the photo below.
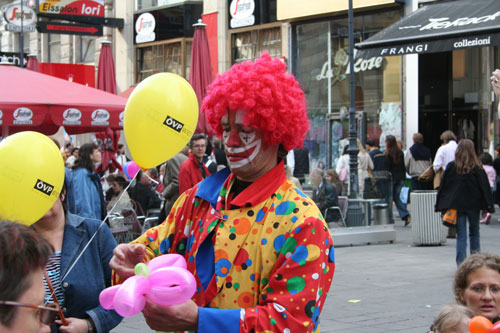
(95, 233)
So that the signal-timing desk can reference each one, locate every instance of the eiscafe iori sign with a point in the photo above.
(92, 8)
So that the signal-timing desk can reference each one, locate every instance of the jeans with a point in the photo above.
(401, 207)
(473, 217)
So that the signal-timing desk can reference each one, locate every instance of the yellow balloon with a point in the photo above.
(160, 117)
(31, 176)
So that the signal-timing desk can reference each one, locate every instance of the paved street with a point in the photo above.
(385, 288)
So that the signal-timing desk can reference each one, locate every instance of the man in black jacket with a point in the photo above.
(324, 195)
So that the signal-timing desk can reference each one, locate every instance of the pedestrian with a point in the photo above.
(452, 319)
(23, 255)
(120, 155)
(496, 166)
(365, 165)
(487, 162)
(332, 177)
(325, 196)
(477, 285)
(171, 180)
(241, 229)
(342, 169)
(120, 199)
(87, 189)
(70, 161)
(444, 155)
(465, 175)
(143, 195)
(193, 170)
(417, 160)
(377, 156)
(77, 292)
(394, 163)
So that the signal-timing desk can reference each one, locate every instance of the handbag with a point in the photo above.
(427, 175)
(450, 218)
(404, 194)
(437, 178)
(343, 175)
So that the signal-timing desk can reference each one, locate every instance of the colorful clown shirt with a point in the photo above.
(263, 260)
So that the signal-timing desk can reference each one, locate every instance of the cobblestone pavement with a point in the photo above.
(386, 287)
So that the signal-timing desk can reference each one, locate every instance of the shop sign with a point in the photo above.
(22, 116)
(72, 116)
(90, 8)
(100, 117)
(14, 17)
(13, 58)
(444, 22)
(242, 13)
(360, 65)
(145, 28)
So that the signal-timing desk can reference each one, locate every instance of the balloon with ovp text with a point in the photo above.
(160, 117)
(31, 176)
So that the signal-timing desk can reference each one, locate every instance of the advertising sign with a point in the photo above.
(145, 28)
(70, 29)
(92, 8)
(15, 17)
(13, 58)
(242, 13)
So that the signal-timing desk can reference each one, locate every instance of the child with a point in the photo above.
(452, 318)
(487, 162)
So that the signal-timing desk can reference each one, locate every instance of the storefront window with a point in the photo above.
(249, 45)
(321, 65)
(173, 57)
(146, 4)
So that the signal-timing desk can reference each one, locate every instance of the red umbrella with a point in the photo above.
(200, 76)
(39, 102)
(108, 140)
(106, 79)
(33, 63)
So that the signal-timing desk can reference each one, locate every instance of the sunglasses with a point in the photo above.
(46, 313)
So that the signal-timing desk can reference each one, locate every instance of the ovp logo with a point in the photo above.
(22, 116)
(72, 116)
(100, 117)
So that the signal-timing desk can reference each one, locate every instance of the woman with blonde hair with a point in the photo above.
(452, 319)
(465, 189)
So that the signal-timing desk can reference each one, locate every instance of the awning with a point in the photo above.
(438, 27)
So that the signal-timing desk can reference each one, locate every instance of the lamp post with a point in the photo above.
(354, 211)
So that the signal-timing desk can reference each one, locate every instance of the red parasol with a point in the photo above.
(107, 140)
(200, 76)
(33, 63)
(31, 101)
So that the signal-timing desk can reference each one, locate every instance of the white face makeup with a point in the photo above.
(243, 151)
(248, 156)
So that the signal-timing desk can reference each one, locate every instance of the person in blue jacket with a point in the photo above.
(87, 190)
(77, 288)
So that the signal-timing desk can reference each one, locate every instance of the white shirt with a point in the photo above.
(445, 155)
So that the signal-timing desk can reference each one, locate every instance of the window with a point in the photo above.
(173, 57)
(249, 45)
(85, 49)
(54, 48)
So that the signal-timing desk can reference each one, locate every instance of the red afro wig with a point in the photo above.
(272, 98)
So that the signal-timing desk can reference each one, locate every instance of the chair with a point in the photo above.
(132, 223)
(341, 208)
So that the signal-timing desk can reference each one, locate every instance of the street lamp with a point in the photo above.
(354, 211)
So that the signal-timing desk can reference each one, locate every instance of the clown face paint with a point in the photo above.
(247, 155)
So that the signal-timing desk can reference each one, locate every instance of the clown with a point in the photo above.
(260, 251)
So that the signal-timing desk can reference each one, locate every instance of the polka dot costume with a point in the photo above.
(273, 259)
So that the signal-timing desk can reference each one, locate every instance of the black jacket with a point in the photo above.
(301, 156)
(326, 196)
(397, 169)
(464, 192)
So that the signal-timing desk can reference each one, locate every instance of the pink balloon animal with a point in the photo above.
(164, 280)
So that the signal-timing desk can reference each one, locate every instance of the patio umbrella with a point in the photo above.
(33, 63)
(107, 140)
(200, 76)
(47, 102)
(106, 79)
